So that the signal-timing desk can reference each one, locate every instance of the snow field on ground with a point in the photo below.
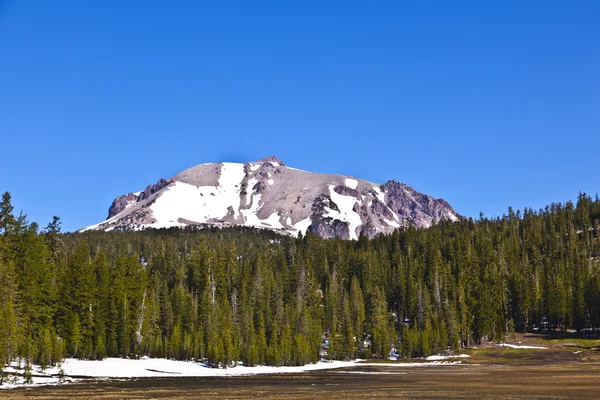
(440, 357)
(120, 368)
(515, 346)
(410, 364)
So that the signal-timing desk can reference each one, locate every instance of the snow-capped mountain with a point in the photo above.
(269, 194)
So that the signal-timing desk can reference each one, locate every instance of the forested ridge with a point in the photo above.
(239, 294)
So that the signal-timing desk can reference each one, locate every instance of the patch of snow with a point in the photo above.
(351, 183)
(47, 377)
(391, 223)
(272, 221)
(440, 358)
(381, 198)
(380, 194)
(199, 203)
(410, 364)
(270, 181)
(302, 226)
(254, 167)
(346, 213)
(36, 381)
(120, 368)
(515, 346)
(296, 169)
(452, 217)
(250, 214)
(250, 184)
(161, 367)
(370, 372)
(95, 226)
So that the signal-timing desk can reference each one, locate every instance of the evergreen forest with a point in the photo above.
(238, 294)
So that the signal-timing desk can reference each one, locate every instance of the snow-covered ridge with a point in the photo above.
(268, 194)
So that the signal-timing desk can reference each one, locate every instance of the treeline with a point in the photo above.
(247, 295)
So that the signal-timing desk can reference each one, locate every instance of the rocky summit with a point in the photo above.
(268, 194)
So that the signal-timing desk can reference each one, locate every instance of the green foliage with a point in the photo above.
(28, 374)
(239, 294)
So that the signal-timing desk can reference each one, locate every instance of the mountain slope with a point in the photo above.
(268, 194)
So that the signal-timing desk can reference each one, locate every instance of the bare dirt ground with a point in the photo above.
(568, 369)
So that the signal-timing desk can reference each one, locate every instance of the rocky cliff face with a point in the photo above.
(268, 194)
(122, 202)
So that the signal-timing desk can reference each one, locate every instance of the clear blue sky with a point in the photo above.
(487, 104)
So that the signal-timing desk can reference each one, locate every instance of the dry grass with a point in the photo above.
(456, 382)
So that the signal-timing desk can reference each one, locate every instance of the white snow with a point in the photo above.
(272, 221)
(381, 197)
(36, 381)
(346, 213)
(160, 367)
(199, 204)
(452, 217)
(391, 223)
(254, 167)
(296, 169)
(515, 346)
(302, 225)
(380, 194)
(371, 372)
(154, 367)
(250, 214)
(410, 364)
(440, 357)
(40, 377)
(92, 227)
(351, 183)
(230, 183)
(270, 181)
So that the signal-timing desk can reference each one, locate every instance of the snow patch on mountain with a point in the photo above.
(351, 183)
(302, 226)
(346, 211)
(200, 204)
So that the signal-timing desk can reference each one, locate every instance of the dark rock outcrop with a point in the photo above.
(151, 189)
(120, 203)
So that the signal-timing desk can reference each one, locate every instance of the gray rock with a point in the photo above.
(120, 203)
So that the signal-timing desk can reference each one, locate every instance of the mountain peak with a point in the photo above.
(271, 159)
(287, 200)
